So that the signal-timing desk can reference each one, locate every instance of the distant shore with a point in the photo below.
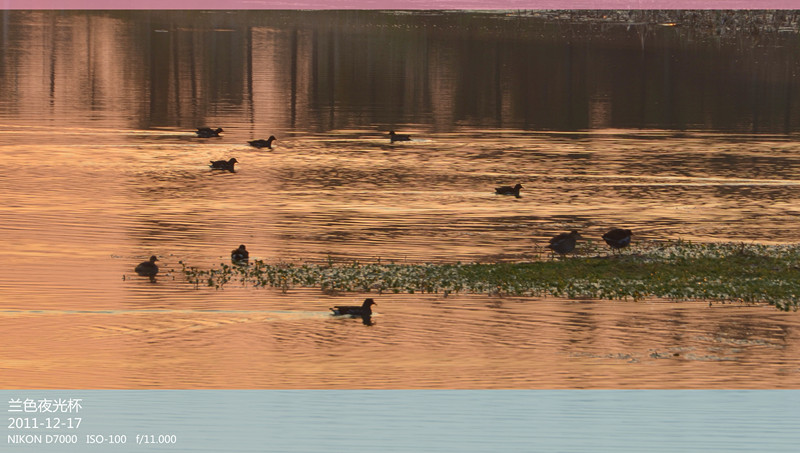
(718, 22)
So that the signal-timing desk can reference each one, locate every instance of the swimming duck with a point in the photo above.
(261, 143)
(206, 132)
(508, 190)
(240, 254)
(617, 238)
(365, 310)
(399, 137)
(564, 242)
(147, 268)
(224, 164)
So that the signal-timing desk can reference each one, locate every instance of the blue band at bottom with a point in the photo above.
(400, 420)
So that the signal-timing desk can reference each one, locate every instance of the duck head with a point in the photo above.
(368, 303)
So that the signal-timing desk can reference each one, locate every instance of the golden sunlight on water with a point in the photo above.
(82, 210)
(290, 341)
(102, 168)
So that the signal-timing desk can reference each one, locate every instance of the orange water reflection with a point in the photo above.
(102, 170)
(416, 342)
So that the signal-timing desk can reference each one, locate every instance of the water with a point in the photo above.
(102, 170)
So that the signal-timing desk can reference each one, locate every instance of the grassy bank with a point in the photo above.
(672, 270)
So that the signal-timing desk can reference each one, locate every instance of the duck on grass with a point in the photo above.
(748, 273)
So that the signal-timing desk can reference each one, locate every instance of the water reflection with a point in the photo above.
(320, 71)
(488, 101)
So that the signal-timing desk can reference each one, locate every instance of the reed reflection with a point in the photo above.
(321, 71)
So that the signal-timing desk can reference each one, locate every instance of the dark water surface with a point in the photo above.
(664, 130)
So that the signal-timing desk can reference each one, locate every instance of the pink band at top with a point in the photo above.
(396, 4)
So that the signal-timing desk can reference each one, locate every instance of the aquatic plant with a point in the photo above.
(678, 270)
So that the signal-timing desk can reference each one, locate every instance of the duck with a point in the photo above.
(508, 190)
(618, 238)
(148, 268)
(564, 242)
(224, 164)
(365, 310)
(240, 254)
(261, 143)
(206, 132)
(399, 137)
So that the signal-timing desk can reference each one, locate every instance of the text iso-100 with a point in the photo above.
(109, 439)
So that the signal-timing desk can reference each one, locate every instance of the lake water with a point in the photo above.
(664, 130)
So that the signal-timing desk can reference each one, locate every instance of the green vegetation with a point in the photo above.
(673, 270)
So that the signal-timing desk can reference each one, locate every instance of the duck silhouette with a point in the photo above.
(224, 164)
(365, 310)
(508, 190)
(240, 254)
(206, 132)
(399, 137)
(618, 238)
(148, 268)
(564, 242)
(261, 143)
